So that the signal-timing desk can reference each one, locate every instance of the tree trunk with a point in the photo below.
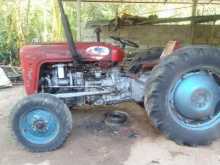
(56, 24)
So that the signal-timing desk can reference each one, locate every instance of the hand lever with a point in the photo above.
(98, 31)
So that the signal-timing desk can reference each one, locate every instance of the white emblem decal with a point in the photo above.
(98, 51)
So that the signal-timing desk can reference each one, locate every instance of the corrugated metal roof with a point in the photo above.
(154, 1)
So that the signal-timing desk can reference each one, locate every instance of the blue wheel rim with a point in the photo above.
(39, 126)
(194, 100)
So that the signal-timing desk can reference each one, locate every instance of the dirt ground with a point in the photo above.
(94, 143)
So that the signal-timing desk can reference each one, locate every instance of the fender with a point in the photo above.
(169, 49)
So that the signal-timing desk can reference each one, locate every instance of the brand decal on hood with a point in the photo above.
(98, 51)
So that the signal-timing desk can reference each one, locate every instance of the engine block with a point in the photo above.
(92, 85)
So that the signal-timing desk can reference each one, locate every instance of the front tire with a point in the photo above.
(41, 122)
(183, 95)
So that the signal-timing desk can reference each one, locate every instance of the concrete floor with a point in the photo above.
(93, 143)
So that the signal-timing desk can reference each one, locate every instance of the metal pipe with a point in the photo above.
(71, 44)
(81, 94)
(79, 87)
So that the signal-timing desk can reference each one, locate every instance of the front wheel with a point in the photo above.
(41, 122)
(183, 95)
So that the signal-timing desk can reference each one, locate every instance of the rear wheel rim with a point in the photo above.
(194, 99)
(39, 126)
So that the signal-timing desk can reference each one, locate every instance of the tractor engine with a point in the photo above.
(91, 84)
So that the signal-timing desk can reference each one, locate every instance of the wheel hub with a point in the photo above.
(40, 125)
(196, 96)
(200, 98)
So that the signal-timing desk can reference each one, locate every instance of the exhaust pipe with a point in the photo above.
(71, 44)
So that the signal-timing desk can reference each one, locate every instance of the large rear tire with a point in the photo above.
(41, 122)
(183, 95)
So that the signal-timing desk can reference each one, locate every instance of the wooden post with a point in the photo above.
(117, 21)
(193, 24)
(212, 33)
(78, 19)
(194, 7)
(45, 33)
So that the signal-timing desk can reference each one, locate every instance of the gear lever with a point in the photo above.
(98, 31)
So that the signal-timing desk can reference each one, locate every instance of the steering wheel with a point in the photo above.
(125, 42)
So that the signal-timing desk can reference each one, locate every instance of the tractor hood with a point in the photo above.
(34, 56)
(89, 51)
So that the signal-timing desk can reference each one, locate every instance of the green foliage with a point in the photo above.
(8, 47)
(22, 21)
(19, 25)
(8, 36)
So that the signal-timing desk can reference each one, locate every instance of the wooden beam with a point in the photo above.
(145, 21)
(148, 2)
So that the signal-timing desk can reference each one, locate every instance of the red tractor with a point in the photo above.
(181, 94)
